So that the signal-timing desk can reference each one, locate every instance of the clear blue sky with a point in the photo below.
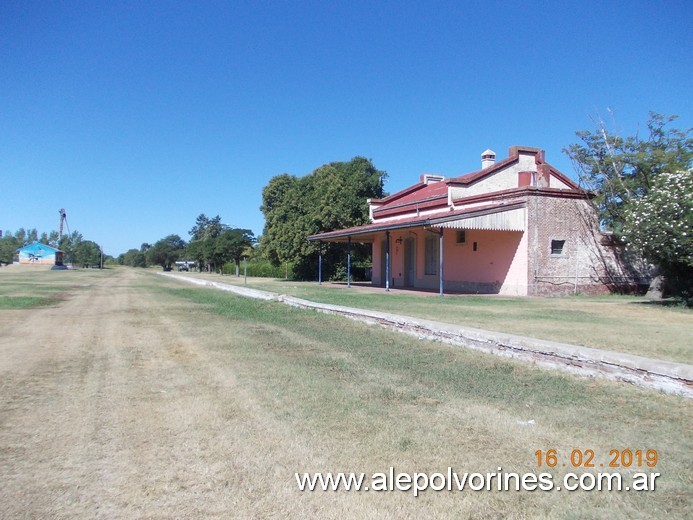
(138, 116)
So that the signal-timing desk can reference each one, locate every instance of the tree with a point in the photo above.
(232, 244)
(21, 236)
(205, 228)
(166, 251)
(8, 246)
(53, 238)
(619, 169)
(50, 239)
(196, 252)
(87, 253)
(198, 230)
(203, 242)
(133, 258)
(68, 244)
(660, 226)
(332, 197)
(622, 172)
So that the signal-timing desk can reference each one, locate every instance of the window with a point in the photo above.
(431, 260)
(461, 236)
(557, 247)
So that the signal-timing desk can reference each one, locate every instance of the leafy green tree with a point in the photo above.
(283, 204)
(660, 226)
(622, 172)
(21, 236)
(50, 239)
(213, 258)
(87, 253)
(199, 229)
(8, 246)
(331, 197)
(232, 244)
(620, 169)
(203, 242)
(195, 251)
(205, 228)
(53, 238)
(166, 251)
(68, 244)
(133, 258)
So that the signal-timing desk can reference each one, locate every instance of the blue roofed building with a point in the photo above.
(40, 254)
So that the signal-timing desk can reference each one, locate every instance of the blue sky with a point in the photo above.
(138, 116)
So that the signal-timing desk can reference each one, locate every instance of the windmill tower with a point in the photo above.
(63, 221)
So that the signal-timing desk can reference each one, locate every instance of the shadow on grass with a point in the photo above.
(666, 302)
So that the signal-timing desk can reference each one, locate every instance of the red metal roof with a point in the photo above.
(425, 197)
(434, 195)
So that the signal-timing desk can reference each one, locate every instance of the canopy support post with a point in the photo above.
(349, 263)
(387, 261)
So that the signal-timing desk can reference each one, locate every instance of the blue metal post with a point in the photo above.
(387, 260)
(320, 267)
(349, 263)
(441, 261)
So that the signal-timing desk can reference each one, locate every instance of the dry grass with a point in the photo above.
(620, 323)
(366, 400)
(151, 400)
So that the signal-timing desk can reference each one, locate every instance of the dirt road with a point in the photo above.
(109, 407)
(131, 396)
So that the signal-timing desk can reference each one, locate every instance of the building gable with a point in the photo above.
(39, 254)
(525, 167)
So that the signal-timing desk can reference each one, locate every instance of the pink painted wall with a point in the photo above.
(500, 259)
(498, 265)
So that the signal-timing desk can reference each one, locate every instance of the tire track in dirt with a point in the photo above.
(111, 407)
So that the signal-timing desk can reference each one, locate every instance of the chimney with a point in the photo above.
(488, 158)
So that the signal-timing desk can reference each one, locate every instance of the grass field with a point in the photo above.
(620, 323)
(256, 391)
(372, 400)
(21, 289)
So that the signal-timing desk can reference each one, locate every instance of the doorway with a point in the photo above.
(409, 261)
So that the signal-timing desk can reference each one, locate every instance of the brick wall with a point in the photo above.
(565, 253)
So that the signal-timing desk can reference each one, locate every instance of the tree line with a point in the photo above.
(211, 246)
(331, 197)
(77, 250)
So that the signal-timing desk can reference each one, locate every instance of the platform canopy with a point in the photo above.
(497, 217)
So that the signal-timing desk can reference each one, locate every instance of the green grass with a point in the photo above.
(619, 323)
(25, 287)
(367, 399)
(25, 302)
(436, 368)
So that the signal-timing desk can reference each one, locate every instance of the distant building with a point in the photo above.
(40, 254)
(516, 227)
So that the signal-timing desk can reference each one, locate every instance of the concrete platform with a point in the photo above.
(666, 376)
